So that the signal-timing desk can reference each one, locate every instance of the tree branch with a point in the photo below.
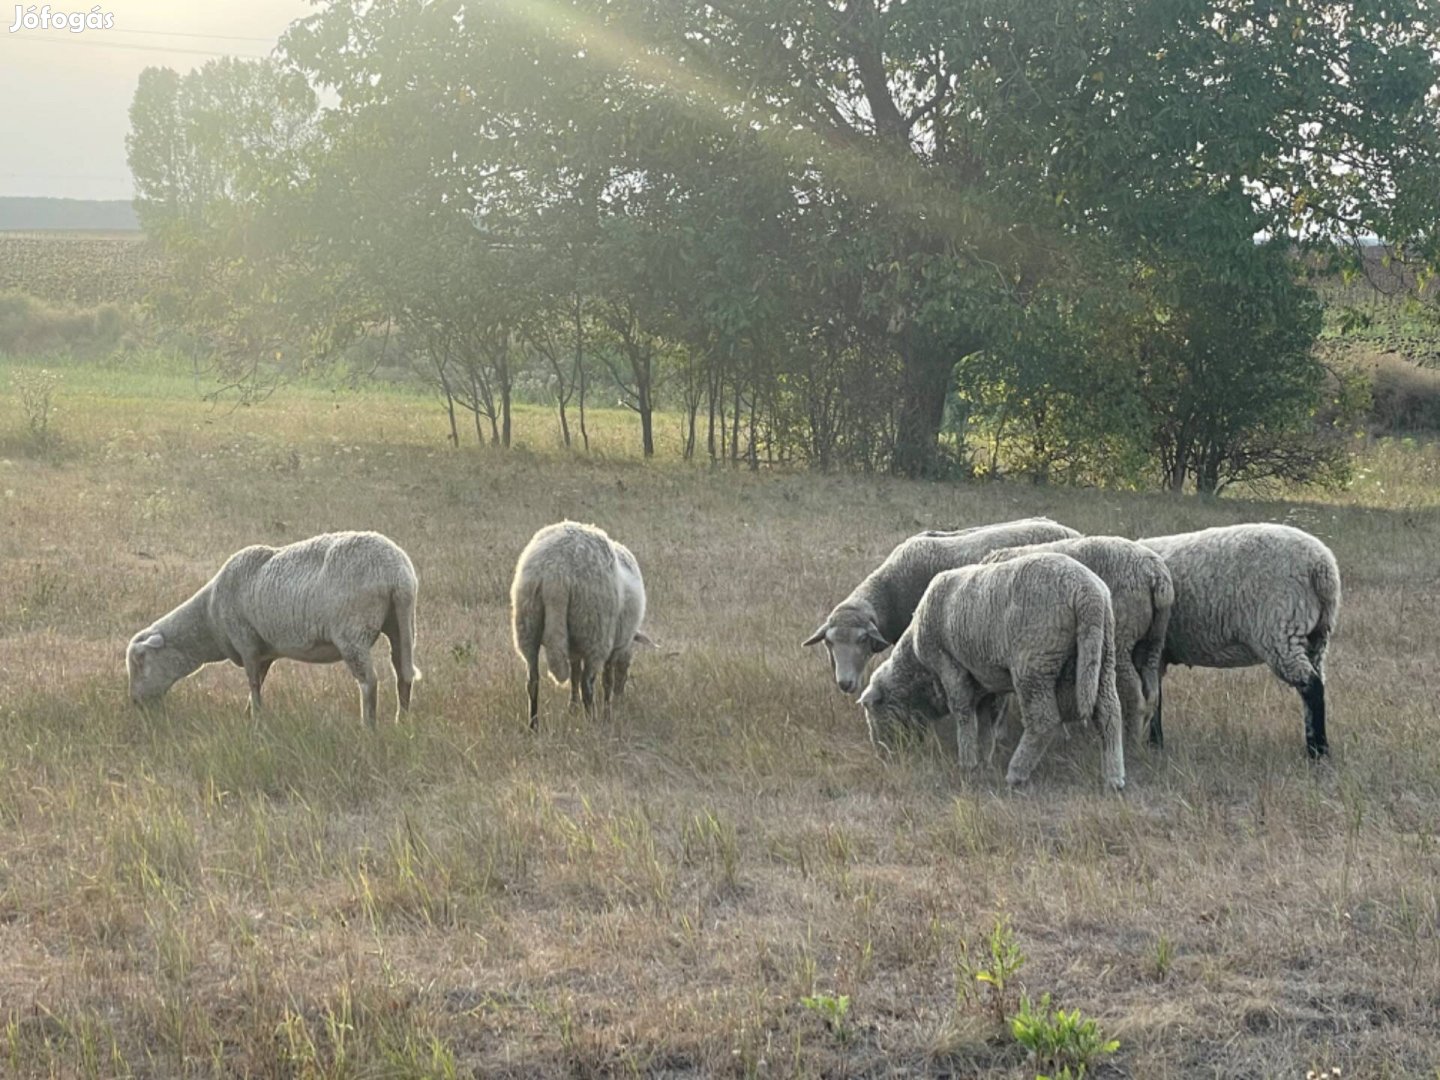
(919, 111)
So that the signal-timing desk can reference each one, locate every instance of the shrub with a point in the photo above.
(35, 390)
(30, 327)
(1060, 1040)
(832, 1010)
(991, 984)
(1406, 397)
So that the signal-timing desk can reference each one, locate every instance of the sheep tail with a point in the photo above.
(402, 602)
(1325, 580)
(1095, 627)
(1151, 648)
(554, 598)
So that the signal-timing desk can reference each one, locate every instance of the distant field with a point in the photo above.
(83, 268)
(194, 894)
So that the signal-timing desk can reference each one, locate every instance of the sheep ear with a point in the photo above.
(154, 641)
(871, 696)
(642, 638)
(876, 639)
(817, 637)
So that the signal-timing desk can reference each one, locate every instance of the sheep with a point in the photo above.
(878, 610)
(580, 594)
(319, 600)
(1141, 593)
(1253, 594)
(1031, 626)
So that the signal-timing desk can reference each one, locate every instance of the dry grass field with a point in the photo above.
(191, 893)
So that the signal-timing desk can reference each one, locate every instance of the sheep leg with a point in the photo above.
(397, 661)
(532, 687)
(587, 690)
(358, 661)
(1147, 668)
(255, 672)
(607, 683)
(988, 712)
(577, 667)
(1110, 716)
(1002, 707)
(1317, 644)
(1292, 665)
(1157, 730)
(1130, 687)
(1040, 713)
(962, 693)
(1313, 696)
(1314, 693)
(622, 675)
(967, 733)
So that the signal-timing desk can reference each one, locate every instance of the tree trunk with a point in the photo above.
(735, 426)
(579, 379)
(449, 405)
(505, 410)
(694, 407)
(563, 390)
(502, 376)
(584, 434)
(450, 408)
(1207, 471)
(640, 369)
(712, 390)
(647, 420)
(925, 380)
(754, 449)
(1175, 482)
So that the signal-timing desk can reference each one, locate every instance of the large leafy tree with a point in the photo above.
(223, 136)
(777, 189)
(987, 147)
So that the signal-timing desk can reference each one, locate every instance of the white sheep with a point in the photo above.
(1022, 627)
(319, 600)
(1141, 594)
(1253, 594)
(879, 609)
(580, 594)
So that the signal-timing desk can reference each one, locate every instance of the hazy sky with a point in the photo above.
(65, 97)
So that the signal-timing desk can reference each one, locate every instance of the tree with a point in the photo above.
(1229, 375)
(221, 160)
(784, 201)
(219, 138)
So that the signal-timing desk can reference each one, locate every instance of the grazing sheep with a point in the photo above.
(1141, 594)
(1253, 594)
(580, 594)
(877, 612)
(319, 600)
(1028, 626)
